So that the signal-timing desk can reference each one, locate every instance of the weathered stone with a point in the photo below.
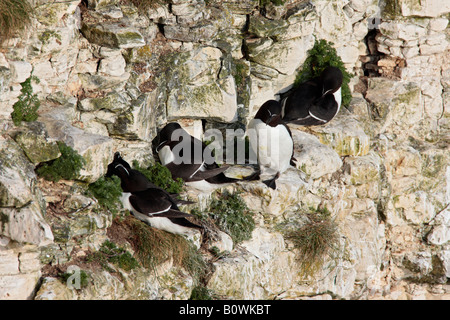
(362, 170)
(95, 149)
(54, 289)
(425, 8)
(191, 34)
(113, 66)
(113, 35)
(394, 104)
(314, 158)
(195, 90)
(345, 135)
(50, 13)
(266, 28)
(284, 56)
(270, 275)
(113, 102)
(17, 178)
(33, 140)
(96, 82)
(20, 71)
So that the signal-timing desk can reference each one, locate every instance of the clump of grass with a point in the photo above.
(110, 253)
(84, 278)
(15, 16)
(67, 166)
(315, 240)
(25, 109)
(161, 176)
(231, 215)
(153, 247)
(107, 191)
(323, 55)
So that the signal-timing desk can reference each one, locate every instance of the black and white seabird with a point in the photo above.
(271, 141)
(199, 165)
(152, 204)
(135, 180)
(314, 102)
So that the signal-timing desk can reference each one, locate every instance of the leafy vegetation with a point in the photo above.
(107, 191)
(25, 109)
(231, 215)
(161, 176)
(84, 278)
(262, 3)
(110, 253)
(67, 166)
(202, 293)
(315, 240)
(15, 15)
(319, 57)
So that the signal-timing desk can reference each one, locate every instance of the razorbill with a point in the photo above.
(135, 180)
(314, 102)
(197, 164)
(153, 205)
(271, 141)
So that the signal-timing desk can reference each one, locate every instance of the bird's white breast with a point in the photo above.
(272, 145)
(166, 155)
(338, 97)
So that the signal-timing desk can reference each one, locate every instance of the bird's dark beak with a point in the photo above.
(274, 120)
(162, 145)
(109, 172)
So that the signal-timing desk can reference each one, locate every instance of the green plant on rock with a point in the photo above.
(161, 176)
(231, 214)
(15, 15)
(107, 191)
(202, 293)
(263, 3)
(25, 109)
(84, 278)
(316, 240)
(67, 166)
(319, 57)
(109, 252)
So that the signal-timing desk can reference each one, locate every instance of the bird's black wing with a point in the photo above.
(324, 109)
(297, 104)
(152, 201)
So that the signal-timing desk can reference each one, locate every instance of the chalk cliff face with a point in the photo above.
(110, 75)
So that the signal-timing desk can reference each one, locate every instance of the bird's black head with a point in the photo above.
(165, 136)
(332, 78)
(270, 113)
(117, 165)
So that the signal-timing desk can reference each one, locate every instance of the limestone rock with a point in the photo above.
(195, 91)
(95, 149)
(54, 289)
(344, 134)
(20, 71)
(426, 8)
(17, 178)
(283, 56)
(113, 35)
(314, 158)
(395, 105)
(113, 65)
(269, 276)
(33, 140)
